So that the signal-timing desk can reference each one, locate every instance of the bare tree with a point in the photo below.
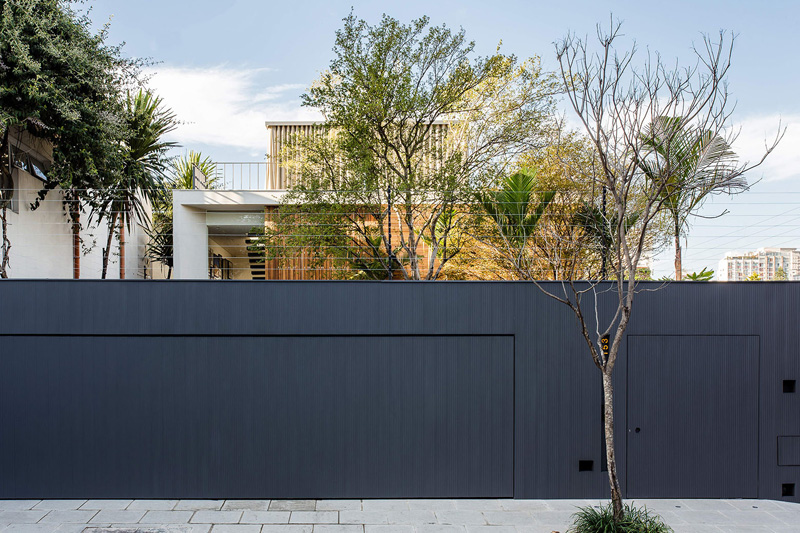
(616, 103)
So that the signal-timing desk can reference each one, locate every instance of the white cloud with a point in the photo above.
(781, 164)
(225, 106)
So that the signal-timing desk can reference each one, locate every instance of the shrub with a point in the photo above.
(601, 520)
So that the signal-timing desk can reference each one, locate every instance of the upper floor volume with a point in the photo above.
(274, 174)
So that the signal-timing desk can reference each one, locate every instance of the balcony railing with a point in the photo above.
(244, 176)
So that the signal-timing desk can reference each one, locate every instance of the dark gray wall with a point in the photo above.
(388, 389)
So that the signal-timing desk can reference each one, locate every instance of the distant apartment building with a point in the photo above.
(765, 262)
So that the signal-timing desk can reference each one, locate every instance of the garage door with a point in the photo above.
(256, 417)
(692, 417)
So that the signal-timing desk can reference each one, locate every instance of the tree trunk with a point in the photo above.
(6, 193)
(678, 265)
(121, 247)
(611, 461)
(107, 249)
(6, 244)
(75, 216)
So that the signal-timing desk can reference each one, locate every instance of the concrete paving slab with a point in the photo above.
(314, 517)
(491, 529)
(115, 516)
(265, 517)
(524, 505)
(439, 528)
(245, 505)
(338, 528)
(167, 517)
(30, 528)
(216, 517)
(69, 517)
(21, 517)
(199, 505)
(156, 528)
(115, 505)
(432, 505)
(385, 505)
(461, 517)
(394, 528)
(59, 505)
(363, 517)
(478, 505)
(291, 528)
(507, 518)
(153, 505)
(416, 517)
(293, 505)
(17, 505)
(236, 528)
(338, 505)
(70, 528)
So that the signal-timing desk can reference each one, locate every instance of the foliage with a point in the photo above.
(692, 164)
(754, 277)
(414, 121)
(144, 161)
(515, 208)
(780, 274)
(601, 520)
(703, 275)
(159, 247)
(62, 82)
(600, 229)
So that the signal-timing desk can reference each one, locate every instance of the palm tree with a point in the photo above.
(687, 164)
(159, 246)
(516, 207)
(141, 182)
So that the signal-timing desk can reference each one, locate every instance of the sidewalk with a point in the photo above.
(372, 516)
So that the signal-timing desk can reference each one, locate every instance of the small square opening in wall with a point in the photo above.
(585, 466)
(789, 386)
(787, 490)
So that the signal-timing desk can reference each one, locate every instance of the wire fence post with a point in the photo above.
(604, 251)
(389, 214)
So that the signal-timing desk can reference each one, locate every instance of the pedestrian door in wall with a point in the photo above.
(692, 416)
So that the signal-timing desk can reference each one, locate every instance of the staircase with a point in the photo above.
(256, 256)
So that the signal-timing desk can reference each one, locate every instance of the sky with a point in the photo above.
(227, 66)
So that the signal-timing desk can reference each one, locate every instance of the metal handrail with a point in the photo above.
(243, 175)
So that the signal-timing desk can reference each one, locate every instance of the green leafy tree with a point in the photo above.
(414, 124)
(63, 83)
(780, 274)
(141, 182)
(754, 277)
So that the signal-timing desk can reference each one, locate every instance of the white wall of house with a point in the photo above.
(41, 239)
(194, 210)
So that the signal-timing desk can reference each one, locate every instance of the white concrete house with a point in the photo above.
(41, 239)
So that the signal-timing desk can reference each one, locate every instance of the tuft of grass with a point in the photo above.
(601, 520)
